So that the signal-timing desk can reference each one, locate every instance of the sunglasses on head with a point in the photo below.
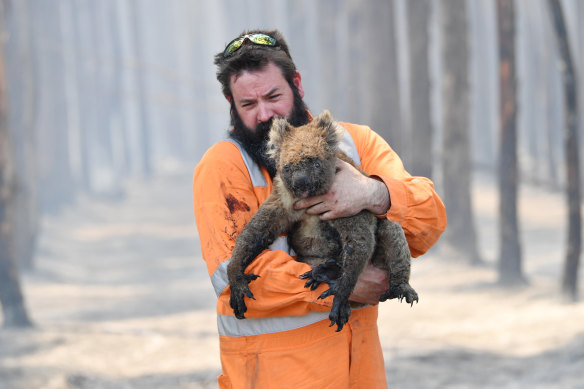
(256, 39)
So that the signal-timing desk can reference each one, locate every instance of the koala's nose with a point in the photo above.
(301, 183)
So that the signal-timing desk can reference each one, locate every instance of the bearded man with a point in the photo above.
(285, 340)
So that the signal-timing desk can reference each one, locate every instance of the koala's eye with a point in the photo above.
(287, 168)
(317, 164)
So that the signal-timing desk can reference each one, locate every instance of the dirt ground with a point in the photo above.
(121, 299)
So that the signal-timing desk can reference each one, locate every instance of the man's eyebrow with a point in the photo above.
(274, 90)
(271, 92)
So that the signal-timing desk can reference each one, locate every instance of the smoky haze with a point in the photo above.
(107, 106)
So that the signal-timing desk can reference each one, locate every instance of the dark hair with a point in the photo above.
(255, 57)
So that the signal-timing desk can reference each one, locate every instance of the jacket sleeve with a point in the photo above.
(414, 203)
(224, 201)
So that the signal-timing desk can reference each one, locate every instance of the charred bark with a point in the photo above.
(11, 298)
(571, 142)
(421, 116)
(510, 266)
(140, 80)
(460, 236)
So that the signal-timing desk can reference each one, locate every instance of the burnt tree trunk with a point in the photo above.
(140, 80)
(574, 243)
(460, 236)
(20, 78)
(11, 297)
(421, 115)
(380, 89)
(510, 269)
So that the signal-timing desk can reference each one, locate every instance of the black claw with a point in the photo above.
(249, 294)
(240, 290)
(326, 294)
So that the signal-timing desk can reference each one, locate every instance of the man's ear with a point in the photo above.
(297, 81)
(229, 98)
(278, 131)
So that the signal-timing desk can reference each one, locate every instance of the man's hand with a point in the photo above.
(350, 193)
(372, 283)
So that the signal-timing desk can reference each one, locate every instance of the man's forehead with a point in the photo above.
(266, 78)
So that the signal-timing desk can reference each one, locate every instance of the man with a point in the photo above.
(285, 340)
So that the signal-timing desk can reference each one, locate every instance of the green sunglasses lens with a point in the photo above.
(258, 39)
(262, 39)
(233, 46)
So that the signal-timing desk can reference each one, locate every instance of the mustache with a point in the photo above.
(263, 129)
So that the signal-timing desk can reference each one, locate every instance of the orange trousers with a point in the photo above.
(315, 356)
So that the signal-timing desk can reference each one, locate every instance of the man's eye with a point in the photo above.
(274, 97)
(248, 104)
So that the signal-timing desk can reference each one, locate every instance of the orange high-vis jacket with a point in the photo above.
(285, 340)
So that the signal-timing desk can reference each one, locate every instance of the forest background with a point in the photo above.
(107, 106)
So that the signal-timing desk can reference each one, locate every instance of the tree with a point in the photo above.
(54, 159)
(421, 123)
(510, 271)
(570, 81)
(22, 100)
(140, 80)
(11, 297)
(460, 236)
(380, 92)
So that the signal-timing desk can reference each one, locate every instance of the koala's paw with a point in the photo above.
(340, 312)
(240, 289)
(401, 291)
(325, 272)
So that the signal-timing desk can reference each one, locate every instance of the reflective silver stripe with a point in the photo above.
(219, 278)
(232, 326)
(257, 178)
(348, 146)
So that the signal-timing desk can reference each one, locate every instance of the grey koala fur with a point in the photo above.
(337, 250)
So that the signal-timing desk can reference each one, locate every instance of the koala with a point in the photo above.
(338, 250)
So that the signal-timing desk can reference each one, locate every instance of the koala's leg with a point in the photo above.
(258, 234)
(393, 253)
(358, 243)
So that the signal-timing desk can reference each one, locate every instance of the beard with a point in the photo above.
(255, 141)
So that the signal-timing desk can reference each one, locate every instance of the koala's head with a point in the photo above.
(305, 156)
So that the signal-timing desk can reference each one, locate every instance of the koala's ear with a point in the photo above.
(278, 130)
(332, 131)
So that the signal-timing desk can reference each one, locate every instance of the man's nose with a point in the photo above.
(264, 113)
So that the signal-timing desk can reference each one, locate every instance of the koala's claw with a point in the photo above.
(311, 282)
(239, 289)
(400, 292)
(340, 312)
(330, 291)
